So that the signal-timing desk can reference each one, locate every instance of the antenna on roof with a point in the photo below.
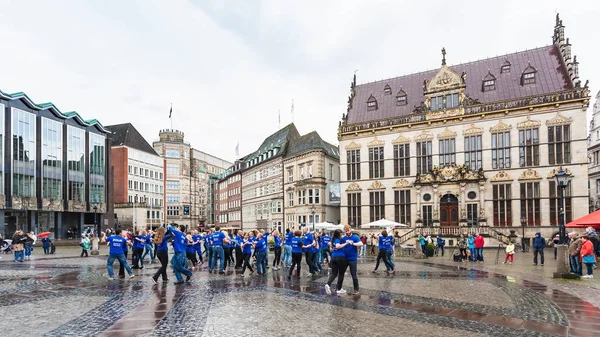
(292, 110)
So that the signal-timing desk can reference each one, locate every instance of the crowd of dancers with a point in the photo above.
(244, 251)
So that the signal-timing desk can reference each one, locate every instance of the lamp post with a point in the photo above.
(562, 263)
(313, 210)
(523, 223)
(95, 246)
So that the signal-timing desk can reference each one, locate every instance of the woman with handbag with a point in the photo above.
(587, 256)
(18, 246)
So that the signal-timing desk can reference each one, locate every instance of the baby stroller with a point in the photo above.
(6, 246)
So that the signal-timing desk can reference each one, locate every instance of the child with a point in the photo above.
(510, 253)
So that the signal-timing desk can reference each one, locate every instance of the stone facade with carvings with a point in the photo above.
(594, 156)
(470, 145)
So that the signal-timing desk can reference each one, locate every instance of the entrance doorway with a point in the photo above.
(449, 210)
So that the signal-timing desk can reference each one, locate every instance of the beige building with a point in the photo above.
(469, 145)
(311, 182)
(187, 191)
(594, 157)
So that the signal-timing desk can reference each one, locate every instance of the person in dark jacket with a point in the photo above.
(539, 243)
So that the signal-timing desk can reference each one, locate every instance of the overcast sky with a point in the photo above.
(228, 67)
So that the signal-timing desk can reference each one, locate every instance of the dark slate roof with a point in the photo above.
(551, 77)
(279, 139)
(126, 135)
(311, 141)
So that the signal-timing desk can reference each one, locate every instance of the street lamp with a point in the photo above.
(562, 180)
(96, 227)
(523, 223)
(313, 210)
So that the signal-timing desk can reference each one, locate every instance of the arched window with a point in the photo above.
(371, 103)
(489, 82)
(401, 98)
(529, 75)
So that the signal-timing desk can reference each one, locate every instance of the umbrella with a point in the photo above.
(44, 234)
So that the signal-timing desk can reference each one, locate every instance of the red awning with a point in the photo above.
(590, 220)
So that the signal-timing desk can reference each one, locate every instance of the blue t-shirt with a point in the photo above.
(137, 244)
(116, 243)
(238, 241)
(350, 250)
(247, 249)
(207, 240)
(325, 240)
(190, 248)
(337, 252)
(296, 245)
(164, 244)
(197, 238)
(308, 241)
(179, 241)
(288, 239)
(148, 239)
(261, 245)
(46, 242)
(217, 238)
(277, 240)
(385, 242)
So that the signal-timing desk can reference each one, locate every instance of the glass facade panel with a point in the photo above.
(76, 163)
(97, 168)
(2, 150)
(24, 153)
(51, 159)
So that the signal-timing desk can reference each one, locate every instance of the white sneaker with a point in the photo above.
(328, 289)
(587, 276)
(132, 276)
(341, 292)
(309, 274)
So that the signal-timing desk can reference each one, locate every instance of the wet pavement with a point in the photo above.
(65, 295)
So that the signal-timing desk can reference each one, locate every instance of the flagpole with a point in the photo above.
(171, 117)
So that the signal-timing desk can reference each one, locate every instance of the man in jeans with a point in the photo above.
(574, 250)
(116, 243)
(218, 240)
(479, 243)
(539, 243)
(179, 259)
(363, 248)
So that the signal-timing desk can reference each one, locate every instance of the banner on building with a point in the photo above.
(335, 194)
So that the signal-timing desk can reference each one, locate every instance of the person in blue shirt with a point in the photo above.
(178, 261)
(309, 251)
(324, 248)
(287, 247)
(316, 248)
(161, 240)
(246, 254)
(440, 245)
(261, 246)
(227, 248)
(190, 251)
(390, 252)
(266, 236)
(218, 240)
(338, 263)
(351, 253)
(384, 246)
(209, 247)
(127, 236)
(277, 250)
(148, 247)
(239, 259)
(471, 245)
(296, 254)
(46, 245)
(116, 243)
(197, 238)
(139, 242)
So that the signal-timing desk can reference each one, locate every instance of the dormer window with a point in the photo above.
(528, 76)
(505, 68)
(401, 98)
(371, 104)
(489, 82)
(387, 90)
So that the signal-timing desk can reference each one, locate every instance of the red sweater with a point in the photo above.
(479, 241)
(587, 248)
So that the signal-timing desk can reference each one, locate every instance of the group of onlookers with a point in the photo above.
(22, 245)
(583, 251)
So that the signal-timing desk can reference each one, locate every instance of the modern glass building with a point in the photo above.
(53, 169)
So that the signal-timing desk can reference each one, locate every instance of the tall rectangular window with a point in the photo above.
(402, 207)
(530, 203)
(427, 215)
(554, 199)
(472, 215)
(377, 205)
(529, 148)
(51, 159)
(473, 154)
(501, 150)
(447, 152)
(376, 162)
(501, 199)
(290, 196)
(353, 164)
(76, 163)
(424, 157)
(354, 210)
(331, 172)
(559, 144)
(401, 160)
(172, 169)
(97, 156)
(2, 149)
(24, 153)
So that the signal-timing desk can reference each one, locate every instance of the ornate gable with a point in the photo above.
(445, 79)
(552, 173)
(401, 140)
(352, 146)
(530, 174)
(424, 136)
(375, 143)
(473, 131)
(447, 134)
(501, 176)
(529, 124)
(559, 120)
(353, 187)
(377, 185)
(500, 127)
(401, 183)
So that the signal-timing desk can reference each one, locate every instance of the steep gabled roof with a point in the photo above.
(52, 108)
(311, 141)
(279, 139)
(126, 135)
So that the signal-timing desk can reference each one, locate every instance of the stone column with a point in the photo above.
(2, 223)
(58, 231)
(436, 206)
(482, 201)
(418, 212)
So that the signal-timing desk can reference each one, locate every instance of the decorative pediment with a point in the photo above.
(353, 187)
(375, 143)
(559, 120)
(352, 146)
(450, 173)
(473, 131)
(447, 134)
(500, 127)
(530, 174)
(445, 79)
(501, 176)
(529, 124)
(401, 140)
(553, 173)
(424, 136)
(377, 185)
(401, 183)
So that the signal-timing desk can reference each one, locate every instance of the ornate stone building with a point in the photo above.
(594, 157)
(469, 145)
